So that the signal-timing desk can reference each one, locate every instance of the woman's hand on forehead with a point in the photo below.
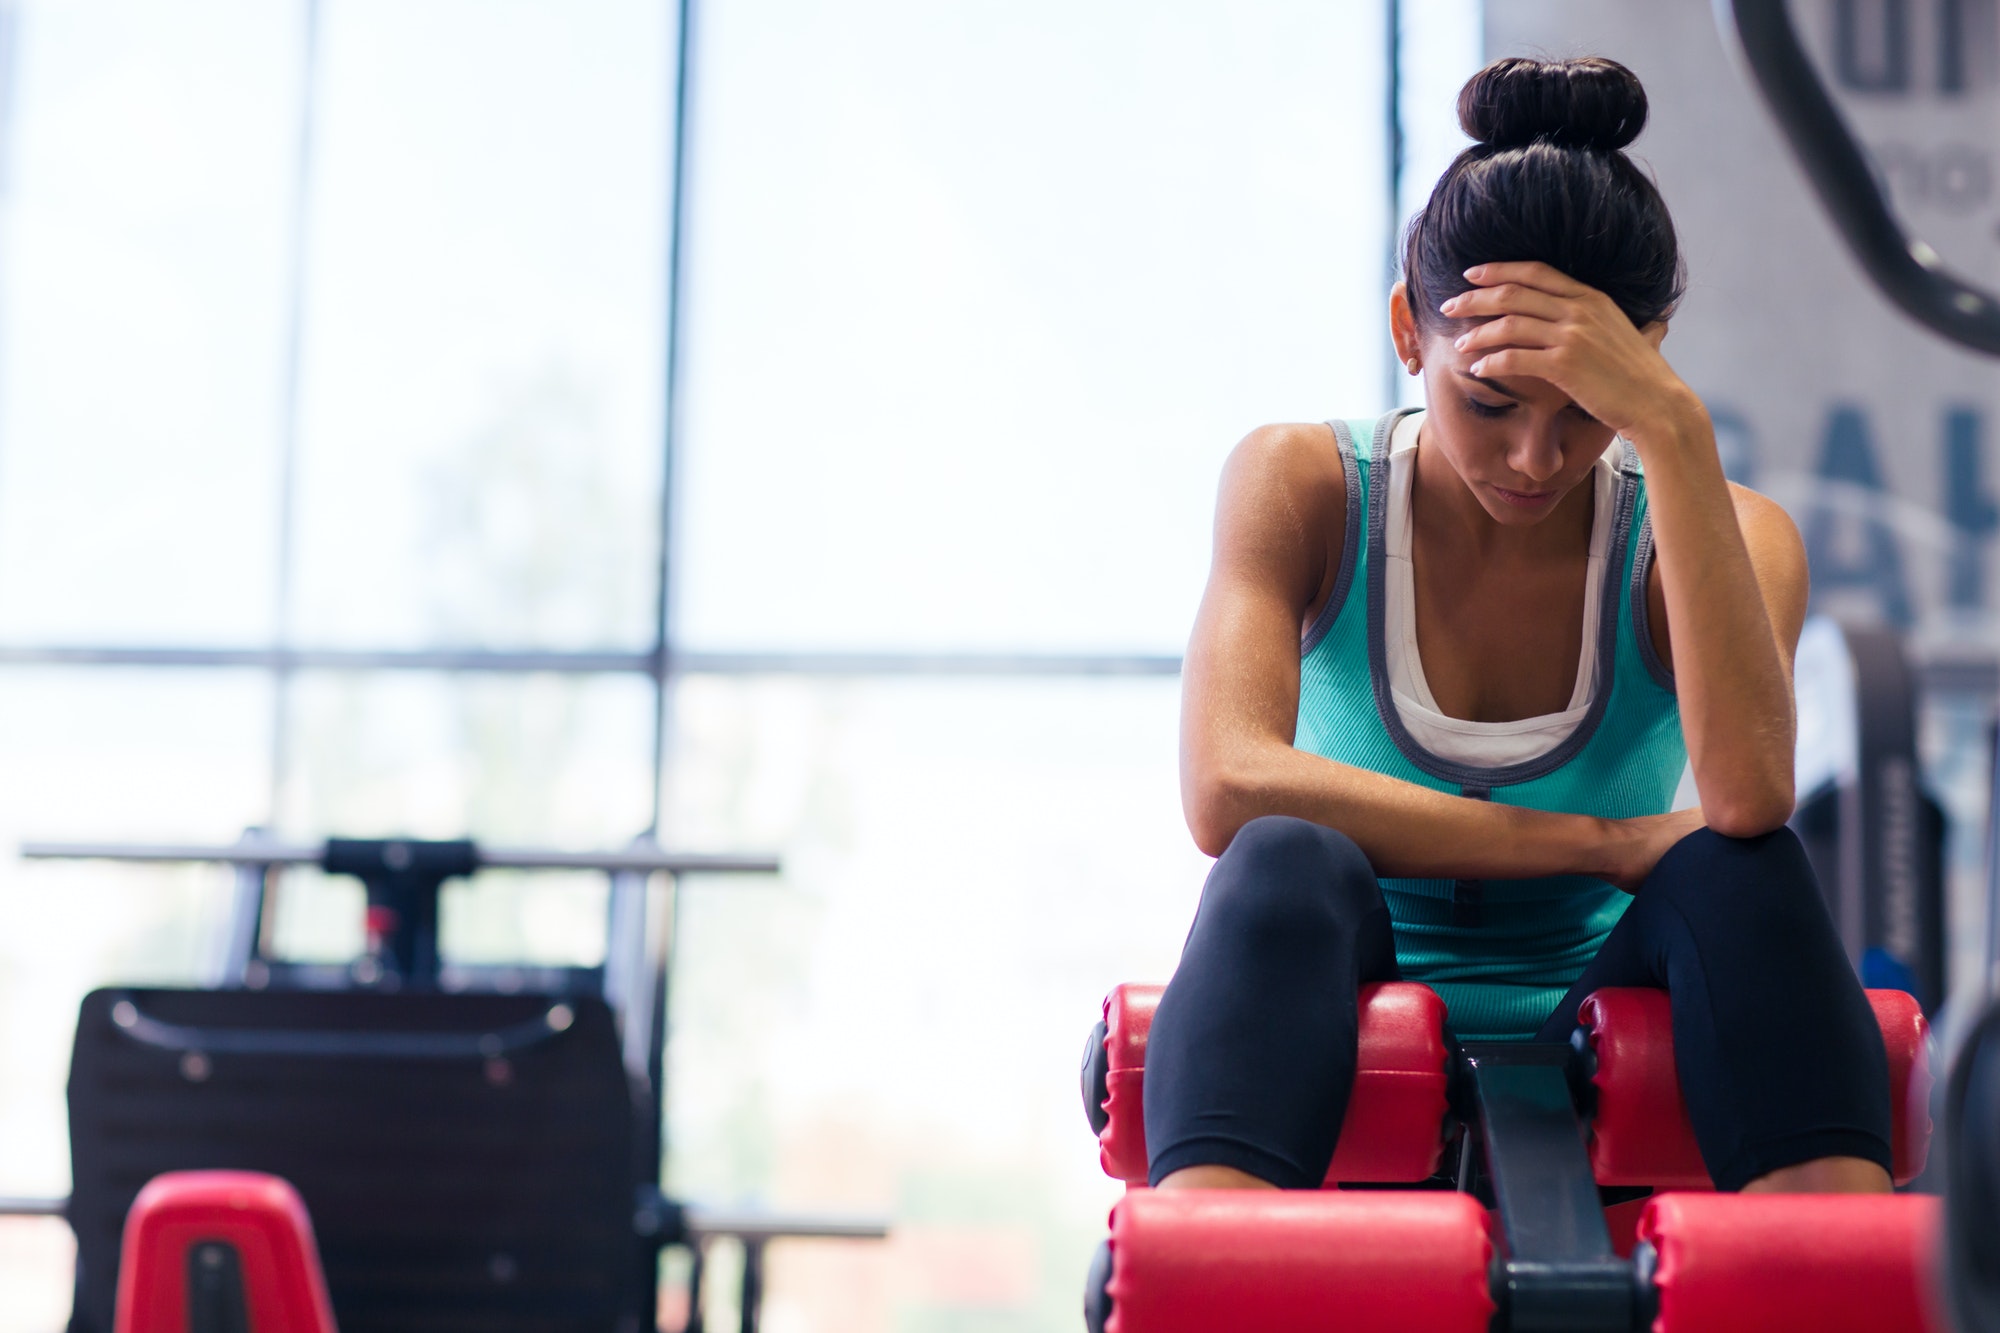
(1539, 322)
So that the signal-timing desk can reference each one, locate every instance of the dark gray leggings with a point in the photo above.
(1252, 1052)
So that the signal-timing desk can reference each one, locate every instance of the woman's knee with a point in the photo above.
(1281, 874)
(1763, 884)
(1279, 845)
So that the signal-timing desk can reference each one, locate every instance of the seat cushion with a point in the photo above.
(1640, 1134)
(1282, 1261)
(1846, 1263)
(1394, 1127)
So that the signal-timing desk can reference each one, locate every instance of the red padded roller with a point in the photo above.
(1394, 1126)
(1393, 1130)
(1288, 1261)
(1829, 1263)
(261, 1216)
(1128, 1021)
(1640, 1134)
(1906, 1034)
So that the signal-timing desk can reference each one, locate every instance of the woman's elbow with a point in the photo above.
(1216, 801)
(1750, 814)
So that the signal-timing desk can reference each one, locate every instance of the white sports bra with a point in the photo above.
(1486, 744)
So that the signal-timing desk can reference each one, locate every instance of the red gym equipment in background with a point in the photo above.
(1550, 1211)
(221, 1250)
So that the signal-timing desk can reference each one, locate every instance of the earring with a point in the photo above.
(1413, 365)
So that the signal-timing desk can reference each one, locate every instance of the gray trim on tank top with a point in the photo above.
(1506, 775)
(1350, 544)
(1642, 629)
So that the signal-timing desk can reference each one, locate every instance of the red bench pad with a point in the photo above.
(1641, 1135)
(1393, 1130)
(1288, 1261)
(1832, 1263)
(260, 1215)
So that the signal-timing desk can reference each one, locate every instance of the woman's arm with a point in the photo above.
(1737, 592)
(1731, 568)
(1279, 524)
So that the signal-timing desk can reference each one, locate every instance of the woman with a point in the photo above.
(1445, 677)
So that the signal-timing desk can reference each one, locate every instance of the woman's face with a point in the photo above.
(1518, 443)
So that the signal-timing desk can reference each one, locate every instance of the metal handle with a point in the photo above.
(748, 1225)
(259, 852)
(1910, 273)
(162, 1035)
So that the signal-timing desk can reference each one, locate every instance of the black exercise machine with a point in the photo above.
(479, 1146)
(1874, 835)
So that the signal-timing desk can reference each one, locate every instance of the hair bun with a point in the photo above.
(1585, 103)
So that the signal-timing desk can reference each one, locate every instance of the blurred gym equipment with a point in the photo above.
(1907, 271)
(478, 1148)
(1910, 273)
(1875, 837)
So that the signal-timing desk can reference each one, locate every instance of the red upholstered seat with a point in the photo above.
(1287, 1261)
(1640, 1134)
(1394, 1128)
(1832, 1263)
(260, 1216)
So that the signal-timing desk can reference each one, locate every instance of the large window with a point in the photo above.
(334, 409)
(977, 306)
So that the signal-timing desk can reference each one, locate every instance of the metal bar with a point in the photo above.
(672, 863)
(522, 661)
(25, 1207)
(1392, 18)
(926, 664)
(1534, 1149)
(703, 1224)
(369, 1044)
(1988, 985)
(329, 659)
(1560, 1271)
(490, 858)
(244, 929)
(10, 82)
(628, 978)
(750, 1308)
(670, 423)
(707, 1223)
(288, 404)
(694, 1322)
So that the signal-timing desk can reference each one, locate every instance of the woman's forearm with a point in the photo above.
(1730, 673)
(1405, 829)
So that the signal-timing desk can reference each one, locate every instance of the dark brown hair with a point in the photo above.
(1546, 179)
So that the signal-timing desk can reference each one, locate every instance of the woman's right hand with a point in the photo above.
(1638, 844)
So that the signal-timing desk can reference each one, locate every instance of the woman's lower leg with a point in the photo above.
(1251, 1056)
(1780, 1056)
(1825, 1175)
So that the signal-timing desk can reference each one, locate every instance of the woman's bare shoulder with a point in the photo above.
(1299, 460)
(1283, 508)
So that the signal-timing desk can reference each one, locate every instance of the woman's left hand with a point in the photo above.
(1540, 322)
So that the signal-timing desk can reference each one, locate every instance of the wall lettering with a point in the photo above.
(1876, 45)
(1848, 552)
(1871, 45)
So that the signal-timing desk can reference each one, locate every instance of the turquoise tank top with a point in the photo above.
(1501, 953)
